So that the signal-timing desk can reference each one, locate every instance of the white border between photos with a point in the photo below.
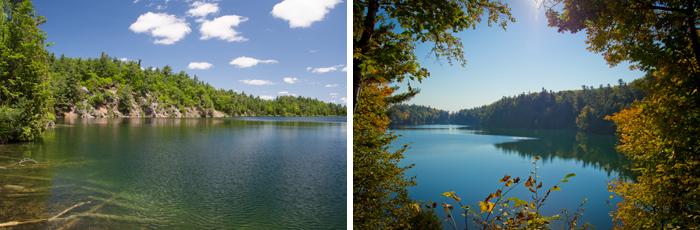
(349, 99)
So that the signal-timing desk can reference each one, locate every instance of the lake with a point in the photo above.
(242, 173)
(471, 162)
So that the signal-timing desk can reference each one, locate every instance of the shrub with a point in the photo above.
(10, 129)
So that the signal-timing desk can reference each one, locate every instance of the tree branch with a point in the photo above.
(363, 45)
(670, 9)
(693, 32)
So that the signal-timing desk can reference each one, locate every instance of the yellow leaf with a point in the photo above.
(486, 206)
(416, 207)
(453, 195)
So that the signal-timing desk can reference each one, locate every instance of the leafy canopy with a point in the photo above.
(385, 33)
(661, 134)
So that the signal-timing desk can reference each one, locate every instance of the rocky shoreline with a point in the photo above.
(141, 108)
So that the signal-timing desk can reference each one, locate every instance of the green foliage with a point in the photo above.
(572, 109)
(108, 80)
(385, 34)
(584, 109)
(24, 76)
(9, 131)
(498, 211)
(661, 133)
(31, 81)
(661, 137)
(403, 114)
(425, 218)
(125, 99)
(380, 198)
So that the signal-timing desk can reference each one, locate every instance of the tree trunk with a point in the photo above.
(363, 45)
(693, 32)
(356, 78)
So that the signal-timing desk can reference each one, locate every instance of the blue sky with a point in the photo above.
(524, 58)
(282, 47)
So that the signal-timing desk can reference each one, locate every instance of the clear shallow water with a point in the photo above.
(470, 162)
(181, 173)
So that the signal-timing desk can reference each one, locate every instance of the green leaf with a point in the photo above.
(566, 178)
(518, 202)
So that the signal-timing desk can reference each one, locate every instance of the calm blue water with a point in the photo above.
(261, 173)
(470, 162)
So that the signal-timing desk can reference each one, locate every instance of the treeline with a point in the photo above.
(35, 86)
(583, 109)
(83, 84)
(403, 114)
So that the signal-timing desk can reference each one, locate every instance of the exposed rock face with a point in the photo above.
(141, 107)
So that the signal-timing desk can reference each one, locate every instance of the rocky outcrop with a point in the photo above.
(134, 108)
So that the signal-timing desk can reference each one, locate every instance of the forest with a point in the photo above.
(125, 88)
(36, 86)
(585, 109)
(658, 132)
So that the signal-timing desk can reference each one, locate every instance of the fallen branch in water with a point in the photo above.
(53, 218)
(27, 177)
(91, 211)
(20, 163)
(68, 210)
(27, 160)
(17, 223)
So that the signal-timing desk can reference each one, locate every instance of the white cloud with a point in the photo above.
(223, 28)
(199, 65)
(166, 28)
(303, 13)
(256, 82)
(267, 97)
(202, 9)
(246, 62)
(331, 85)
(286, 93)
(290, 80)
(324, 69)
(333, 95)
(123, 59)
(344, 100)
(345, 69)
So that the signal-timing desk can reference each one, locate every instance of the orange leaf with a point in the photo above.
(505, 178)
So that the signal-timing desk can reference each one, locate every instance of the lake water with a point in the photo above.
(470, 162)
(250, 173)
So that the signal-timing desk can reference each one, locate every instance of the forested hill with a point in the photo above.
(583, 109)
(35, 86)
(403, 114)
(108, 87)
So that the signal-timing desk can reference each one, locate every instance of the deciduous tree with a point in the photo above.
(661, 134)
